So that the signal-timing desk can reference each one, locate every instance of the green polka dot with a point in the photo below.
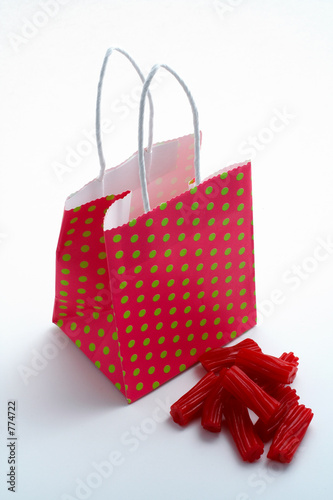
(181, 237)
(196, 221)
(66, 257)
(243, 305)
(227, 251)
(209, 190)
(197, 237)
(225, 206)
(193, 352)
(146, 341)
(240, 176)
(198, 252)
(188, 323)
(204, 336)
(81, 290)
(224, 175)
(214, 280)
(156, 297)
(151, 238)
(184, 267)
(240, 207)
(102, 255)
(101, 332)
(171, 296)
(166, 237)
(224, 191)
(233, 334)
(228, 279)
(167, 253)
(73, 220)
(190, 337)
(214, 266)
(201, 294)
(228, 293)
(127, 314)
(142, 313)
(240, 221)
(136, 254)
(210, 206)
(169, 268)
(183, 252)
(166, 369)
(227, 236)
(151, 370)
(132, 223)
(178, 353)
(179, 205)
(131, 343)
(155, 283)
(199, 267)
(163, 206)
(78, 343)
(226, 221)
(194, 205)
(153, 269)
(242, 278)
(119, 254)
(129, 329)
(231, 320)
(101, 271)
(124, 299)
(182, 368)
(68, 243)
(89, 220)
(211, 222)
(139, 284)
(175, 339)
(243, 291)
(228, 265)
(165, 221)
(60, 323)
(230, 306)
(92, 347)
(134, 357)
(117, 238)
(112, 368)
(194, 190)
(115, 336)
(200, 281)
(149, 355)
(157, 311)
(172, 310)
(180, 221)
(212, 237)
(219, 335)
(64, 294)
(241, 236)
(240, 192)
(241, 251)
(83, 279)
(155, 385)
(149, 222)
(136, 372)
(134, 238)
(137, 269)
(71, 231)
(95, 315)
(216, 307)
(64, 282)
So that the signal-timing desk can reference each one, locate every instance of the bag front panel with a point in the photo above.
(184, 279)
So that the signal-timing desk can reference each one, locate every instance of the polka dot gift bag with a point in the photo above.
(154, 267)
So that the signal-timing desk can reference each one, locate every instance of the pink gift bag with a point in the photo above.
(153, 269)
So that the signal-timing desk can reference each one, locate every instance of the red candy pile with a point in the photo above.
(240, 378)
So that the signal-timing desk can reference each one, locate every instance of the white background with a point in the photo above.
(244, 61)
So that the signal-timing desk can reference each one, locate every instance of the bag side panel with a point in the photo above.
(83, 307)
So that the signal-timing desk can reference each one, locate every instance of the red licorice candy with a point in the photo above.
(257, 364)
(290, 433)
(224, 357)
(228, 390)
(250, 394)
(287, 397)
(189, 405)
(211, 418)
(241, 428)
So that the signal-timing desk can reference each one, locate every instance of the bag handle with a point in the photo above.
(142, 166)
(98, 107)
